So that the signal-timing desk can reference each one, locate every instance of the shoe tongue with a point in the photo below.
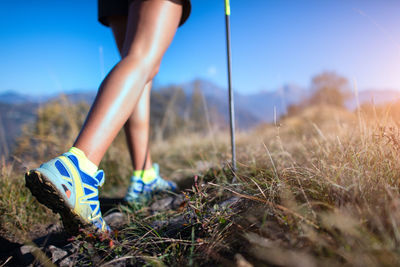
(100, 177)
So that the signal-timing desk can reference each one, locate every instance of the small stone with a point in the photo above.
(57, 253)
(72, 249)
(68, 261)
(241, 261)
(26, 249)
(178, 201)
(115, 220)
(162, 204)
(24, 255)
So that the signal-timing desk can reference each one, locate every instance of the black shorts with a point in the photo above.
(107, 8)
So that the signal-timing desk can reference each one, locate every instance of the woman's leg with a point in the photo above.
(68, 184)
(137, 128)
(151, 27)
(137, 131)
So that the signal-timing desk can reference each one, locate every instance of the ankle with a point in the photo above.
(146, 175)
(84, 163)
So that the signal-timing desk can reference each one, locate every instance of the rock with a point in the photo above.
(63, 256)
(178, 201)
(115, 220)
(57, 253)
(26, 249)
(173, 225)
(167, 203)
(24, 256)
(71, 257)
(162, 204)
(68, 261)
(241, 261)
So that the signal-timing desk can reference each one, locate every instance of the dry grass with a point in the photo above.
(21, 216)
(320, 188)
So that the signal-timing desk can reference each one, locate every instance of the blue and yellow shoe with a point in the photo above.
(62, 186)
(143, 187)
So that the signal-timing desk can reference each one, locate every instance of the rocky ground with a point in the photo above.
(56, 247)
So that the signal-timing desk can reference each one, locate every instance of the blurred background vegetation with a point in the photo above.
(319, 186)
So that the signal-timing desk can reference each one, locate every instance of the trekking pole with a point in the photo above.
(231, 103)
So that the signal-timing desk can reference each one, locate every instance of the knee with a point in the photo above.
(154, 71)
(146, 62)
(150, 69)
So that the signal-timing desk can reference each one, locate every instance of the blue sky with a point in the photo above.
(49, 47)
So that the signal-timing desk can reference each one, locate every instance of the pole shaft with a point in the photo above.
(230, 91)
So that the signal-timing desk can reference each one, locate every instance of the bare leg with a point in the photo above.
(137, 128)
(151, 27)
(137, 131)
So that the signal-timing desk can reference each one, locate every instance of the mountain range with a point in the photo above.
(250, 109)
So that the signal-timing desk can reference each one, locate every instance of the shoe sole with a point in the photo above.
(47, 194)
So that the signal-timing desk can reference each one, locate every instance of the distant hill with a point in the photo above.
(11, 97)
(375, 97)
(12, 117)
(262, 106)
(251, 109)
(75, 97)
(270, 105)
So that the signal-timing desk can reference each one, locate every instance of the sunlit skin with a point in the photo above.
(137, 128)
(151, 26)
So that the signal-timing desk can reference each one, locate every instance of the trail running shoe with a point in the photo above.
(64, 188)
(141, 192)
